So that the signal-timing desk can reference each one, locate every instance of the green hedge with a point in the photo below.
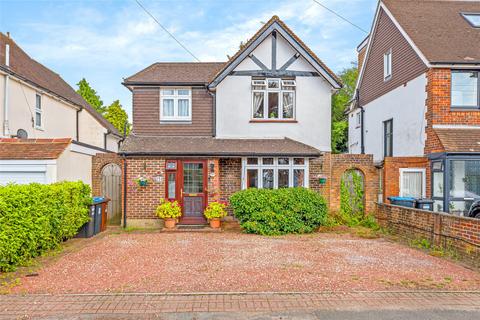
(36, 217)
(279, 211)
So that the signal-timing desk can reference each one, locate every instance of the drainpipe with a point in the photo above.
(77, 129)
(362, 134)
(124, 191)
(214, 113)
(6, 129)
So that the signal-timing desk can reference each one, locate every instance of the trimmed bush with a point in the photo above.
(279, 211)
(36, 217)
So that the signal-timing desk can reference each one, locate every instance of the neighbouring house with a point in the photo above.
(417, 104)
(49, 133)
(202, 131)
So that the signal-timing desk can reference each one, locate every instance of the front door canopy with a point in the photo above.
(274, 26)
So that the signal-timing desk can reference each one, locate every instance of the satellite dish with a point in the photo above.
(22, 134)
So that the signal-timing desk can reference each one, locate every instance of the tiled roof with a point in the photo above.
(209, 146)
(176, 72)
(438, 29)
(37, 74)
(459, 140)
(32, 149)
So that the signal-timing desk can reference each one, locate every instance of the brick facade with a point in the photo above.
(445, 231)
(391, 173)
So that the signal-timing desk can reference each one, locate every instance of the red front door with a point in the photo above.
(193, 187)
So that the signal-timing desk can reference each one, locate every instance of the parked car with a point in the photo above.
(474, 211)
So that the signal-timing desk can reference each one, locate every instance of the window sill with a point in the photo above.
(464, 109)
(272, 121)
(39, 128)
(175, 121)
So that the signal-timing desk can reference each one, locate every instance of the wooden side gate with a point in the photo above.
(112, 189)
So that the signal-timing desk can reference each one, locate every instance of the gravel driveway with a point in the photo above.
(235, 262)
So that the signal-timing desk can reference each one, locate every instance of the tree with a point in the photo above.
(90, 95)
(117, 116)
(340, 101)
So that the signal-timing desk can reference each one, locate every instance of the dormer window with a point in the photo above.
(175, 104)
(473, 19)
(387, 65)
(273, 99)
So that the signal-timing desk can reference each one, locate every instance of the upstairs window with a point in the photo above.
(387, 65)
(465, 89)
(175, 104)
(388, 138)
(273, 99)
(38, 112)
(473, 19)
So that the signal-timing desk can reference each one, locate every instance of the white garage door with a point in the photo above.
(22, 177)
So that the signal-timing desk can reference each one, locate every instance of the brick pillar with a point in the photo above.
(213, 180)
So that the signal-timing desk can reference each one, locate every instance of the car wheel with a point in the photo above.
(477, 215)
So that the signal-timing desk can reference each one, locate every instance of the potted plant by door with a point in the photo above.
(214, 212)
(169, 211)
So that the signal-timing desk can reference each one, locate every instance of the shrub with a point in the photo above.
(279, 211)
(36, 217)
(169, 209)
(215, 210)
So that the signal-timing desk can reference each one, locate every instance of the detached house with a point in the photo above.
(202, 131)
(48, 132)
(417, 105)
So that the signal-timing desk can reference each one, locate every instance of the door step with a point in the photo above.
(192, 228)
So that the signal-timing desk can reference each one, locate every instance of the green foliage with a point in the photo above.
(35, 218)
(279, 211)
(351, 196)
(117, 116)
(169, 209)
(340, 101)
(90, 95)
(215, 210)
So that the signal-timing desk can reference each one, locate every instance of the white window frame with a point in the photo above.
(275, 166)
(423, 171)
(38, 111)
(387, 65)
(281, 83)
(175, 97)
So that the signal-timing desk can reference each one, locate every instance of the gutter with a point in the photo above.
(218, 154)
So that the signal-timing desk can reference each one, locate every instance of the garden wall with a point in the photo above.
(449, 232)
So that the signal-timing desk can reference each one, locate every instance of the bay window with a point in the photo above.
(273, 99)
(465, 90)
(175, 104)
(274, 173)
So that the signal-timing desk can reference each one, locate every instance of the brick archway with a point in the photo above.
(99, 161)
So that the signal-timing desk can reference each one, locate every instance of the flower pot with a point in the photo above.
(215, 223)
(170, 223)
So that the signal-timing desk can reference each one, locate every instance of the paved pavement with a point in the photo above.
(322, 305)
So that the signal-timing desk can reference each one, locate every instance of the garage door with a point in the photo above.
(22, 177)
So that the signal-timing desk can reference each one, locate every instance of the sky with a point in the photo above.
(105, 41)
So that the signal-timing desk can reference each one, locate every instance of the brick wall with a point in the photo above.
(439, 108)
(442, 230)
(99, 161)
(230, 178)
(391, 173)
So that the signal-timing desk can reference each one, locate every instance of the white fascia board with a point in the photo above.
(84, 150)
(27, 162)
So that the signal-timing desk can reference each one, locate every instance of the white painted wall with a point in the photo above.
(406, 106)
(74, 166)
(313, 100)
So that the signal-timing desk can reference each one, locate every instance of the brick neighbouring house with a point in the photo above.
(417, 106)
(202, 131)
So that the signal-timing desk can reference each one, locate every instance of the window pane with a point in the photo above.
(412, 184)
(459, 208)
(273, 105)
(438, 184)
(267, 178)
(252, 160)
(298, 177)
(168, 107)
(473, 18)
(267, 160)
(438, 205)
(171, 185)
(288, 105)
(273, 83)
(193, 177)
(252, 178)
(388, 138)
(464, 89)
(299, 161)
(258, 104)
(38, 119)
(283, 161)
(38, 101)
(283, 175)
(465, 179)
(183, 92)
(168, 92)
(183, 108)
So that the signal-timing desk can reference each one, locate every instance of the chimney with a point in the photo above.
(8, 34)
